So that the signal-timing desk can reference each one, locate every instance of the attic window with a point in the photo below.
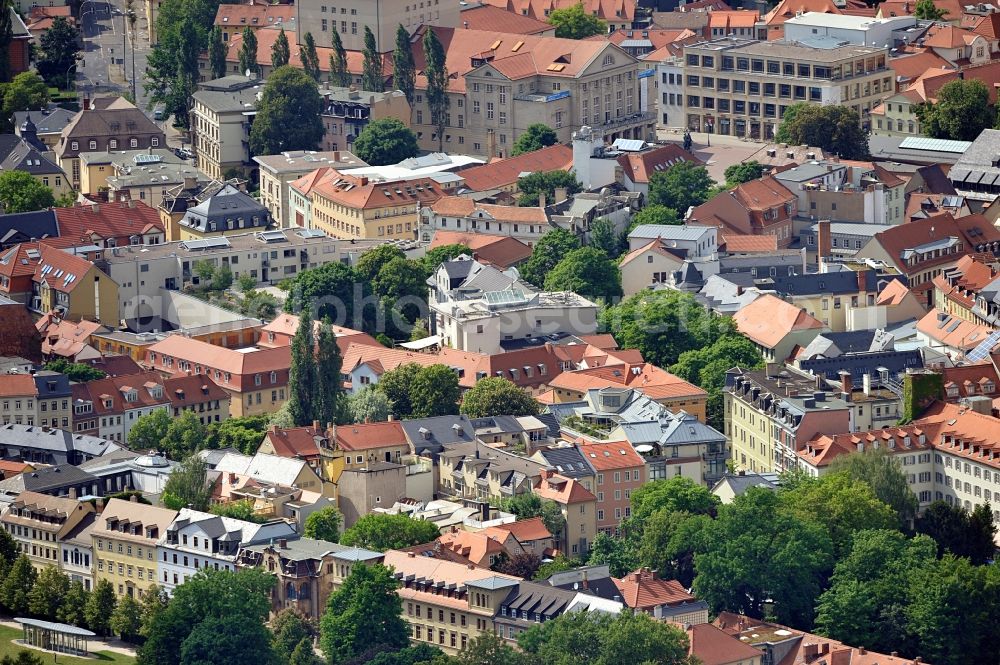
(516, 47)
(555, 67)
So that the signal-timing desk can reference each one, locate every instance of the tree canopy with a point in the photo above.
(587, 271)
(365, 612)
(546, 182)
(656, 214)
(535, 137)
(79, 372)
(743, 172)
(547, 253)
(385, 141)
(961, 111)
(58, 52)
(288, 114)
(497, 396)
(324, 524)
(187, 485)
(381, 532)
(683, 185)
(417, 391)
(21, 192)
(576, 23)
(834, 129)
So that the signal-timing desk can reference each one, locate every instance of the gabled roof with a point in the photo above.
(364, 436)
(713, 646)
(640, 167)
(61, 270)
(734, 243)
(769, 319)
(911, 66)
(294, 441)
(255, 15)
(561, 489)
(643, 590)
(488, 17)
(951, 331)
(893, 293)
(655, 247)
(505, 172)
(221, 358)
(608, 456)
(974, 230)
(107, 220)
(607, 10)
(501, 251)
(524, 531)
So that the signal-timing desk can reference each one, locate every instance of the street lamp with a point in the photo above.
(709, 125)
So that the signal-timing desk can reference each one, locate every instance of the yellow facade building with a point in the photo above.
(39, 522)
(125, 545)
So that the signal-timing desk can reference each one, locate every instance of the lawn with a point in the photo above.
(8, 648)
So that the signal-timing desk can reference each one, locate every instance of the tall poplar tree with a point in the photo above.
(280, 52)
(338, 62)
(302, 377)
(371, 75)
(404, 72)
(329, 381)
(437, 83)
(248, 51)
(309, 57)
(216, 53)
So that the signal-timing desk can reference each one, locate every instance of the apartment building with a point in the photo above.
(477, 471)
(347, 111)
(358, 208)
(36, 399)
(351, 17)
(620, 471)
(741, 87)
(506, 82)
(109, 407)
(859, 192)
(278, 171)
(762, 207)
(777, 327)
(232, 19)
(771, 414)
(308, 570)
(923, 249)
(144, 175)
(195, 541)
(200, 395)
(477, 308)
(46, 445)
(618, 14)
(77, 549)
(38, 523)
(125, 538)
(221, 116)
(461, 214)
(117, 224)
(578, 506)
(255, 379)
(968, 291)
(56, 287)
(105, 123)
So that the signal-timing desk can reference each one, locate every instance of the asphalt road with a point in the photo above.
(105, 45)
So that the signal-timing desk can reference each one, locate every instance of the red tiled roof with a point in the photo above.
(607, 10)
(608, 456)
(974, 230)
(107, 220)
(501, 251)
(951, 331)
(639, 167)
(911, 66)
(220, 358)
(643, 590)
(524, 531)
(294, 441)
(257, 15)
(360, 192)
(713, 646)
(505, 172)
(61, 270)
(364, 436)
(184, 390)
(744, 244)
(265, 42)
(647, 378)
(892, 294)
(488, 17)
(18, 384)
(561, 489)
(769, 319)
(113, 390)
(65, 338)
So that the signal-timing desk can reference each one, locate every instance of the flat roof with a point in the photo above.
(64, 628)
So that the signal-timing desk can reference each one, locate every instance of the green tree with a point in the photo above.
(575, 23)
(46, 594)
(222, 278)
(21, 192)
(126, 621)
(244, 434)
(304, 654)
(58, 52)
(404, 71)
(184, 435)
(603, 237)
(869, 590)
(587, 271)
(880, 470)
(656, 214)
(617, 553)
(324, 524)
(329, 382)
(16, 586)
(23, 657)
(248, 51)
(834, 129)
(385, 141)
(524, 565)
(396, 385)
(490, 649)
(101, 607)
(287, 114)
(535, 137)
(72, 609)
(683, 185)
(557, 565)
(440, 254)
(662, 325)
(497, 396)
(371, 263)
(524, 506)
(369, 405)
(364, 612)
(743, 172)
(401, 286)
(960, 532)
(546, 182)
(238, 510)
(553, 518)
(381, 532)
(707, 367)
(787, 120)
(756, 553)
(79, 372)
(333, 282)
(547, 253)
(217, 53)
(435, 392)
(205, 599)
(372, 78)
(6, 37)
(227, 640)
(436, 74)
(674, 494)
(281, 53)
(669, 541)
(926, 10)
(303, 375)
(154, 602)
(309, 56)
(597, 638)
(338, 61)
(289, 629)
(960, 113)
(187, 485)
(27, 92)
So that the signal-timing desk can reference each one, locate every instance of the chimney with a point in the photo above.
(560, 194)
(823, 241)
(273, 428)
(316, 425)
(862, 281)
(86, 102)
(861, 651)
(867, 384)
(336, 155)
(133, 499)
(283, 543)
(411, 554)
(72, 492)
(364, 180)
(541, 199)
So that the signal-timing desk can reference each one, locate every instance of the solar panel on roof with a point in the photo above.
(982, 351)
(935, 145)
(206, 243)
